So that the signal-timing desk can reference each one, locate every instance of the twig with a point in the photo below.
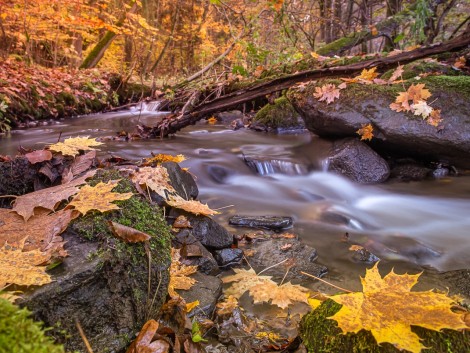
(82, 335)
(267, 268)
(330, 284)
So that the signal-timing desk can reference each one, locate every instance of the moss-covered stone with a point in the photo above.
(322, 335)
(280, 115)
(417, 68)
(111, 287)
(20, 334)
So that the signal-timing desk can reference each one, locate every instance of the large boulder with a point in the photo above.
(396, 133)
(106, 285)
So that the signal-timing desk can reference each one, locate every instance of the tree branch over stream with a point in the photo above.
(175, 122)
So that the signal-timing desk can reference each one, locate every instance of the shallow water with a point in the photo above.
(408, 225)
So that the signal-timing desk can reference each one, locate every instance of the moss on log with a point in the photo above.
(322, 335)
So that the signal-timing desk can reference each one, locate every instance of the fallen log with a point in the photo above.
(175, 122)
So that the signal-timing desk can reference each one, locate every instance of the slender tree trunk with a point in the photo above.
(98, 51)
(393, 7)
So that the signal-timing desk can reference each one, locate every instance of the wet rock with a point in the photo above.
(181, 181)
(409, 172)
(287, 254)
(227, 258)
(395, 132)
(211, 234)
(103, 284)
(280, 116)
(440, 172)
(194, 253)
(364, 255)
(459, 282)
(230, 116)
(268, 222)
(207, 290)
(357, 161)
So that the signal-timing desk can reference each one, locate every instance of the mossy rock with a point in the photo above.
(417, 68)
(322, 335)
(280, 115)
(109, 286)
(20, 334)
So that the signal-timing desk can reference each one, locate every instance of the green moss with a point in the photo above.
(459, 85)
(66, 98)
(20, 334)
(281, 114)
(321, 335)
(335, 46)
(414, 69)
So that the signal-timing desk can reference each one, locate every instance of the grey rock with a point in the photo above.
(395, 132)
(300, 257)
(211, 234)
(227, 258)
(357, 161)
(409, 172)
(440, 172)
(268, 222)
(364, 255)
(181, 181)
(207, 290)
(194, 253)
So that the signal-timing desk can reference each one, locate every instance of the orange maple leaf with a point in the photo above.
(327, 93)
(366, 132)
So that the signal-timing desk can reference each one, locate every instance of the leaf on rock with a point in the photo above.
(396, 74)
(22, 268)
(47, 198)
(435, 118)
(422, 108)
(401, 103)
(366, 132)
(243, 281)
(162, 158)
(179, 274)
(190, 306)
(327, 93)
(73, 146)
(367, 76)
(460, 62)
(40, 232)
(181, 222)
(192, 206)
(387, 308)
(282, 296)
(157, 179)
(38, 156)
(127, 234)
(99, 197)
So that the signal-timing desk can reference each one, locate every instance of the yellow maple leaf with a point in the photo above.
(72, 146)
(19, 267)
(99, 197)
(418, 93)
(162, 158)
(327, 93)
(179, 274)
(282, 296)
(366, 132)
(368, 75)
(157, 179)
(227, 306)
(212, 120)
(192, 305)
(387, 308)
(263, 289)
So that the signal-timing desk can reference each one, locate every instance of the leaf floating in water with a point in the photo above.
(73, 145)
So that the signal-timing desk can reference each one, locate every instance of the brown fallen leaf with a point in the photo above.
(396, 74)
(22, 268)
(40, 232)
(327, 93)
(460, 62)
(395, 308)
(179, 274)
(127, 234)
(38, 156)
(435, 117)
(99, 198)
(145, 343)
(181, 222)
(227, 306)
(47, 198)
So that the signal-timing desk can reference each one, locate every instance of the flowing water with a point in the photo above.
(409, 225)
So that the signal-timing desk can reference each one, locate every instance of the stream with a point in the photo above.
(410, 226)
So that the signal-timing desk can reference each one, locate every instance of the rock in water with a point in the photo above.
(268, 222)
(357, 161)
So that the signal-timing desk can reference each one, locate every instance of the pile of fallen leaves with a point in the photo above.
(39, 88)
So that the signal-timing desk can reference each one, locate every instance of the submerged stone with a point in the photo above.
(268, 222)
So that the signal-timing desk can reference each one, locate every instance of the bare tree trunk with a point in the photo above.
(393, 7)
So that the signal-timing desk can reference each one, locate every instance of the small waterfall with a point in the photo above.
(325, 163)
(271, 166)
(152, 106)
